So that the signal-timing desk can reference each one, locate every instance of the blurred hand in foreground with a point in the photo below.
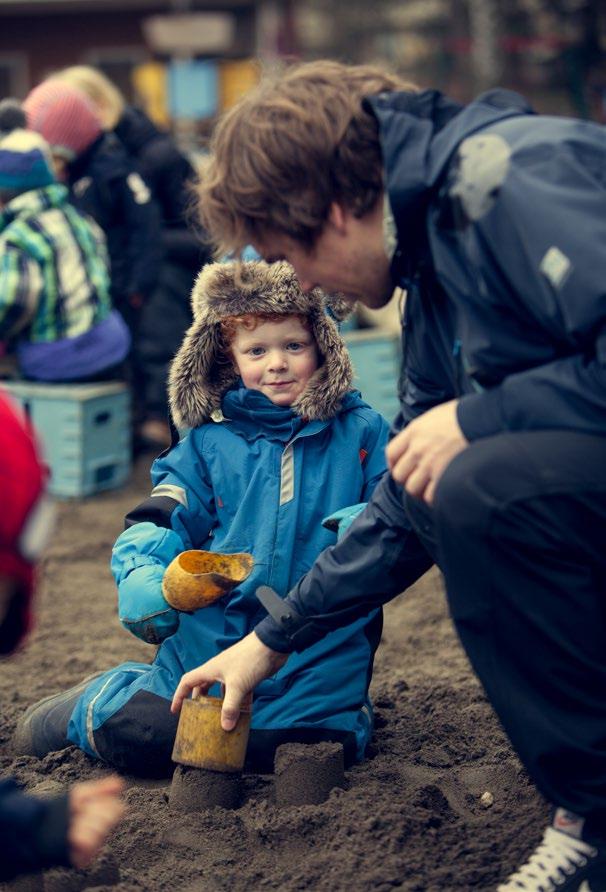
(240, 668)
(95, 808)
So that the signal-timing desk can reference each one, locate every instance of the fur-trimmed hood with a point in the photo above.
(200, 376)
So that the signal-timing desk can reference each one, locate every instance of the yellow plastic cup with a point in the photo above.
(196, 578)
(201, 741)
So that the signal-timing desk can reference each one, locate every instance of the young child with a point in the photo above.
(55, 302)
(277, 441)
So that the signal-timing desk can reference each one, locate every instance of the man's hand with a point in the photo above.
(240, 668)
(418, 455)
(94, 810)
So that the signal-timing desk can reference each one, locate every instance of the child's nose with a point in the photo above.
(277, 359)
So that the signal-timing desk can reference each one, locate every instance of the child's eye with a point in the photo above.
(294, 345)
(257, 351)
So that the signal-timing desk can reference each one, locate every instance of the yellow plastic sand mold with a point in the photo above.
(196, 579)
(202, 743)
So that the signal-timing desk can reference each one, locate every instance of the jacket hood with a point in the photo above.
(419, 133)
(200, 376)
(135, 130)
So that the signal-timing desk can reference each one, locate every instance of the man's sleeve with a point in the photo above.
(378, 558)
(33, 831)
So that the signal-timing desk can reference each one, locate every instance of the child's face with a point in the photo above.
(277, 358)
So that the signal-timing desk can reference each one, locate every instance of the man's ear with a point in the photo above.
(337, 217)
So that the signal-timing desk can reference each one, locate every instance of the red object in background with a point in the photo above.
(24, 518)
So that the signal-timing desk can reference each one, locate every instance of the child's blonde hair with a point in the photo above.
(104, 94)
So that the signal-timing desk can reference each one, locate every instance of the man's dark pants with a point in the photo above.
(518, 527)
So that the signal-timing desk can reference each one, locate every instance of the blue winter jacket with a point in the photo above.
(501, 226)
(260, 481)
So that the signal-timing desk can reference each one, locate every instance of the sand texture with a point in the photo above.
(411, 817)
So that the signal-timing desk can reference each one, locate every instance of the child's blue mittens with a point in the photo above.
(340, 521)
(142, 608)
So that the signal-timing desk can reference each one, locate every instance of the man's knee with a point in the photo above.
(466, 490)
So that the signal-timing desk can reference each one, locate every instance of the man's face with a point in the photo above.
(348, 257)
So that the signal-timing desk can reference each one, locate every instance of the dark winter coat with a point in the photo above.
(171, 178)
(505, 306)
(106, 185)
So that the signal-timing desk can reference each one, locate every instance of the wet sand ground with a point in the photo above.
(411, 817)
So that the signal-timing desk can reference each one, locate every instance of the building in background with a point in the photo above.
(188, 60)
(553, 51)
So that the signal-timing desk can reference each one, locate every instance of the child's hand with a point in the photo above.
(240, 668)
(341, 520)
(94, 810)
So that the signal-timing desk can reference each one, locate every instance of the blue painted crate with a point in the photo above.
(375, 355)
(84, 430)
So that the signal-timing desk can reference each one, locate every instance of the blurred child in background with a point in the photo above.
(55, 304)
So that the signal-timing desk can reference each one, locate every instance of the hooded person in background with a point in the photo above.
(171, 177)
(71, 828)
(493, 219)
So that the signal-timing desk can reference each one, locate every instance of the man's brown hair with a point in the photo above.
(289, 149)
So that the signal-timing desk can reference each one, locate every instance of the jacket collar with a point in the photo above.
(252, 415)
(135, 130)
(419, 133)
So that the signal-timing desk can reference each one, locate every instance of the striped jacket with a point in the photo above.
(54, 268)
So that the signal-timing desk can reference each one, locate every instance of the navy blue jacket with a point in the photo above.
(33, 831)
(506, 307)
(106, 185)
(171, 178)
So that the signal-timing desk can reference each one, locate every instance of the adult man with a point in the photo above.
(495, 223)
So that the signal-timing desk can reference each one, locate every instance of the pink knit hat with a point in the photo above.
(64, 116)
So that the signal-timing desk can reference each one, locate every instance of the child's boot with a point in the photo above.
(42, 728)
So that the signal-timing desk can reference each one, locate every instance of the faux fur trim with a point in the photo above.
(198, 378)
